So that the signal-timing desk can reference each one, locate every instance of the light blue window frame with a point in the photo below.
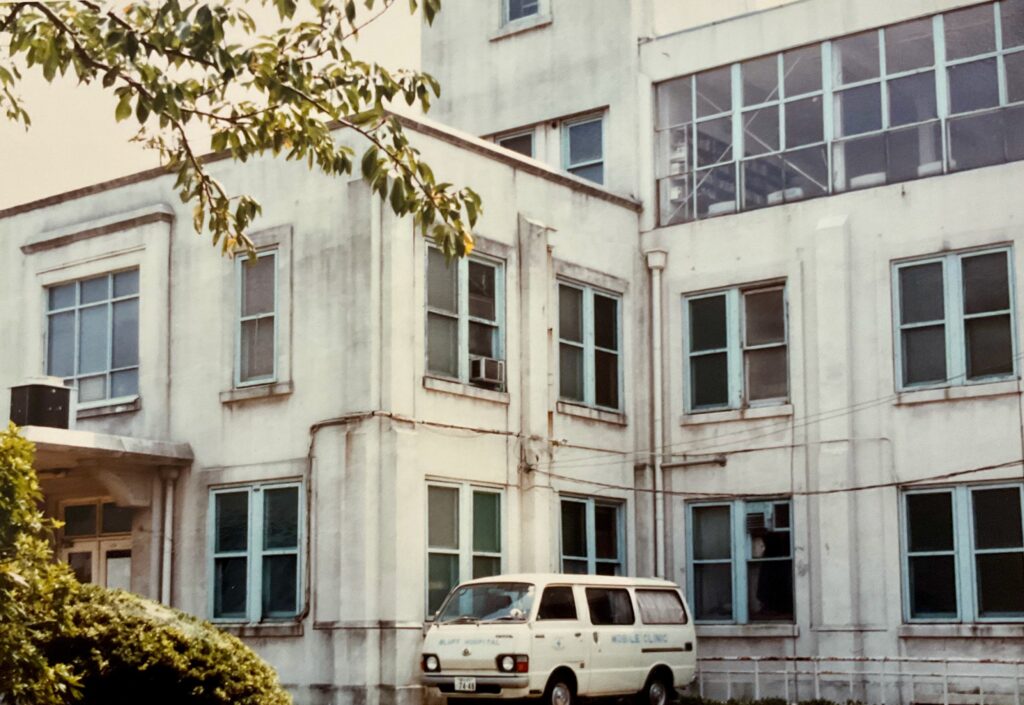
(740, 554)
(955, 318)
(240, 262)
(567, 163)
(464, 317)
(589, 347)
(590, 505)
(735, 324)
(255, 552)
(964, 552)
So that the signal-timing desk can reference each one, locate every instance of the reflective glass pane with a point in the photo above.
(574, 567)
(482, 339)
(921, 293)
(1013, 118)
(487, 522)
(118, 569)
(914, 152)
(855, 58)
(770, 591)
(805, 172)
(912, 99)
(61, 296)
(675, 197)
(522, 8)
(482, 296)
(592, 172)
(257, 349)
(442, 345)
(258, 285)
(606, 379)
(909, 46)
(92, 339)
(924, 355)
(281, 517)
(93, 290)
(609, 606)
(1013, 23)
(443, 575)
(986, 283)
(570, 313)
(762, 182)
(675, 104)
(229, 583)
(761, 131)
(1001, 584)
(606, 531)
(124, 383)
(558, 602)
(707, 323)
(231, 521)
(92, 388)
(709, 380)
(570, 372)
(801, 70)
(676, 145)
(766, 373)
(930, 521)
(280, 583)
(81, 565)
(712, 533)
(1015, 77)
(606, 322)
(989, 346)
(997, 518)
(970, 31)
(765, 317)
(523, 144)
(858, 110)
(714, 141)
(486, 566)
(973, 86)
(859, 163)
(660, 607)
(126, 333)
(712, 585)
(126, 283)
(714, 92)
(574, 529)
(443, 517)
(976, 140)
(716, 191)
(804, 123)
(80, 520)
(116, 520)
(60, 344)
(760, 80)
(932, 586)
(442, 282)
(584, 142)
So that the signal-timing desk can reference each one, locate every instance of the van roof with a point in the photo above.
(574, 579)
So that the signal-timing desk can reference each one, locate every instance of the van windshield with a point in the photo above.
(488, 602)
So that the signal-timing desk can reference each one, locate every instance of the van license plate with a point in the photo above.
(465, 685)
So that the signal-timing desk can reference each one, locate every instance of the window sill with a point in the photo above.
(750, 413)
(525, 24)
(977, 390)
(261, 630)
(108, 407)
(591, 414)
(258, 391)
(748, 631)
(449, 386)
(961, 631)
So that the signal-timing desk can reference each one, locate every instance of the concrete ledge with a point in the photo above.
(257, 391)
(751, 413)
(261, 631)
(66, 447)
(979, 390)
(961, 631)
(591, 414)
(748, 631)
(122, 406)
(449, 386)
(510, 29)
(51, 239)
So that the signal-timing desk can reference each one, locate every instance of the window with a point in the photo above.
(256, 533)
(522, 143)
(518, 9)
(592, 537)
(910, 100)
(740, 564)
(589, 345)
(963, 554)
(660, 607)
(256, 353)
(465, 312)
(583, 148)
(954, 319)
(96, 518)
(463, 538)
(92, 335)
(610, 606)
(557, 603)
(736, 348)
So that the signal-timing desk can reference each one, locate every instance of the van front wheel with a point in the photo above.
(560, 691)
(655, 692)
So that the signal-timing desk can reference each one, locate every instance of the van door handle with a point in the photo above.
(578, 634)
(688, 646)
(595, 637)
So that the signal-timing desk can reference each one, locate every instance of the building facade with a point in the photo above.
(743, 312)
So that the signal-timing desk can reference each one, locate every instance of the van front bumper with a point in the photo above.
(493, 684)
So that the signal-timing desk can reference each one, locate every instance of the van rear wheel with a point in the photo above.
(655, 692)
(560, 691)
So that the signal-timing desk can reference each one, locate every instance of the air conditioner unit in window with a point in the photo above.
(486, 370)
(763, 520)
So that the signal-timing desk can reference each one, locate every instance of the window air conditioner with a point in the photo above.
(486, 370)
(761, 521)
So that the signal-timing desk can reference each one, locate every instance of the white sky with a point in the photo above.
(74, 140)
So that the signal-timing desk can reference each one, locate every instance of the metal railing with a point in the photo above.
(895, 680)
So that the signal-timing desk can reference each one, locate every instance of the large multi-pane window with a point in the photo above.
(954, 319)
(589, 349)
(92, 336)
(465, 313)
(592, 536)
(256, 567)
(741, 561)
(256, 339)
(963, 553)
(924, 97)
(583, 148)
(463, 538)
(736, 347)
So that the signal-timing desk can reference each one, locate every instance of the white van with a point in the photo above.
(561, 636)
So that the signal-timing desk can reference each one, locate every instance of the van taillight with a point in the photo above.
(522, 664)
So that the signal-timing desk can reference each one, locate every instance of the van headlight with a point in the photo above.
(431, 664)
(513, 663)
(507, 664)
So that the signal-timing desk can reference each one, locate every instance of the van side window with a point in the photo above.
(610, 606)
(660, 607)
(557, 603)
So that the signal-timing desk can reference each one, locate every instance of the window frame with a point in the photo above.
(254, 552)
(527, 132)
(954, 319)
(240, 318)
(507, 19)
(588, 346)
(463, 317)
(739, 544)
(964, 552)
(590, 527)
(736, 348)
(567, 163)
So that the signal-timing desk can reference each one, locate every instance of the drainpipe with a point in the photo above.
(656, 262)
(169, 476)
(156, 540)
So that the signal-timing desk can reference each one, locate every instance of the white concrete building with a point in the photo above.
(772, 354)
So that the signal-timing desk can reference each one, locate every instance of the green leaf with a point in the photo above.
(124, 107)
